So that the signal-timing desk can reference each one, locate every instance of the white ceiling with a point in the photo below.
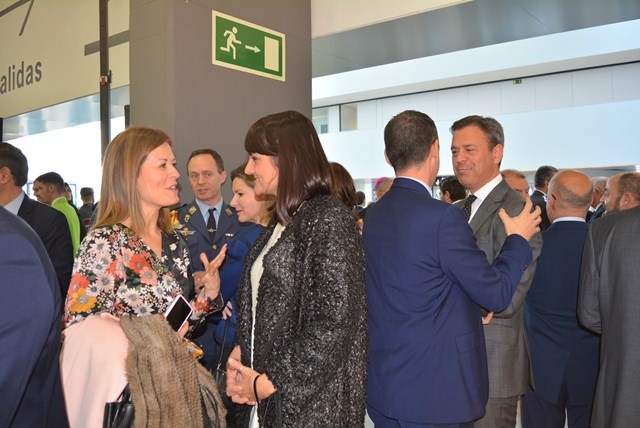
(459, 27)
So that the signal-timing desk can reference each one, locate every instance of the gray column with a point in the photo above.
(175, 87)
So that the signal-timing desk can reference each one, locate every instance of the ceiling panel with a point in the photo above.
(464, 26)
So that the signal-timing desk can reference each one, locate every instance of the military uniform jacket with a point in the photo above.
(188, 220)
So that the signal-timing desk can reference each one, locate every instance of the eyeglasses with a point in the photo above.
(554, 197)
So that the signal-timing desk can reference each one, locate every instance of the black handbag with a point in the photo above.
(119, 413)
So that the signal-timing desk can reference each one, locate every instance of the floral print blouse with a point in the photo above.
(116, 272)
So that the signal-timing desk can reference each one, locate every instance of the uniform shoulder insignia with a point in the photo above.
(175, 220)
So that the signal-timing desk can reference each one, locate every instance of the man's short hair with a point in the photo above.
(512, 173)
(490, 127)
(452, 185)
(408, 138)
(13, 158)
(630, 182)
(544, 174)
(215, 155)
(599, 183)
(86, 192)
(360, 197)
(52, 178)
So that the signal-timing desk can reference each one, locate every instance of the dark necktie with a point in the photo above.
(466, 208)
(211, 224)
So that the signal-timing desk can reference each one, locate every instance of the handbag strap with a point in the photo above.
(206, 394)
(224, 340)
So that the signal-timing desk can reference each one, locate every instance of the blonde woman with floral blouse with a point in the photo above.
(130, 264)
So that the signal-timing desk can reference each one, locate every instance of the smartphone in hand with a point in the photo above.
(178, 312)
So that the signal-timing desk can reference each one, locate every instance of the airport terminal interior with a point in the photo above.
(563, 78)
(538, 84)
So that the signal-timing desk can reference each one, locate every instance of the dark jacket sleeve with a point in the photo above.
(57, 241)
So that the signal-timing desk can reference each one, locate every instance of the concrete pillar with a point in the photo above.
(175, 87)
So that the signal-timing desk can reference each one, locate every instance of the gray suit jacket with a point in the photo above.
(608, 303)
(507, 352)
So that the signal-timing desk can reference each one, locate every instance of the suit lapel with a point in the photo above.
(489, 206)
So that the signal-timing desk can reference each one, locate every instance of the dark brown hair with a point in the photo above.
(343, 187)
(303, 169)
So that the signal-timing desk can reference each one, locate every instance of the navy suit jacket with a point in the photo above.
(30, 326)
(194, 229)
(537, 199)
(52, 228)
(561, 350)
(425, 280)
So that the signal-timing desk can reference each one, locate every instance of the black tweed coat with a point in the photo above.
(311, 320)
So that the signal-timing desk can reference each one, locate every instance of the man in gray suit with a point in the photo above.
(477, 149)
(622, 192)
(608, 303)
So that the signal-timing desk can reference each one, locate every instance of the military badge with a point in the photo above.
(175, 222)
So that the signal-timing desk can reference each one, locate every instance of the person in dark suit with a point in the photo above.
(49, 223)
(477, 148)
(539, 196)
(608, 303)
(597, 207)
(207, 223)
(564, 355)
(30, 333)
(425, 279)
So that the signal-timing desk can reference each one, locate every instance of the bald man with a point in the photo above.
(622, 192)
(564, 356)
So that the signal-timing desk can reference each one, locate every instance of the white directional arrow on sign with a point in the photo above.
(255, 49)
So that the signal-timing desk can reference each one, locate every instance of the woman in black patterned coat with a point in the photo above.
(302, 316)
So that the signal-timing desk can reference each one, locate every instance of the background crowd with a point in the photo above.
(467, 307)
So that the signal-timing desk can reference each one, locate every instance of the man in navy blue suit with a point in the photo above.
(426, 278)
(30, 325)
(564, 355)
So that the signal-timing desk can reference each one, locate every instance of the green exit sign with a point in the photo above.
(247, 47)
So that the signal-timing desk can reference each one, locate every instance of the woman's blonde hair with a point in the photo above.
(267, 202)
(119, 198)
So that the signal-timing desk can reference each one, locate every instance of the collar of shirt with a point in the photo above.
(416, 180)
(569, 219)
(483, 192)
(14, 206)
(204, 210)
